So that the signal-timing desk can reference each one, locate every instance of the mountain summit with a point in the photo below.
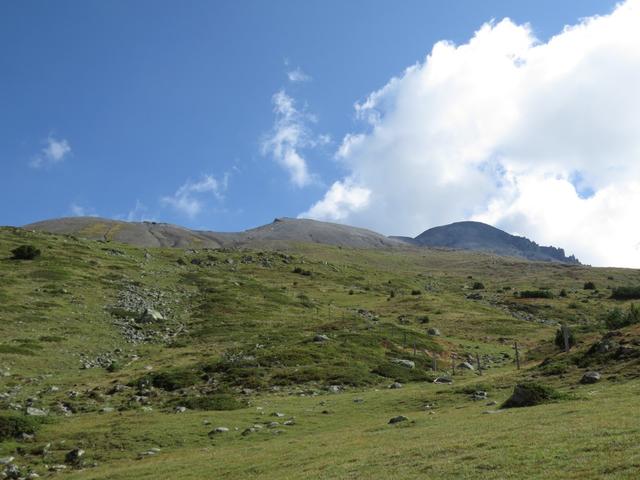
(485, 238)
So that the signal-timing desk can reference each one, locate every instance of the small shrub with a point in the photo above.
(25, 252)
(416, 292)
(616, 318)
(478, 286)
(171, 380)
(563, 293)
(626, 293)
(589, 286)
(536, 294)
(559, 339)
(219, 401)
(13, 425)
(530, 394)
(423, 319)
(300, 271)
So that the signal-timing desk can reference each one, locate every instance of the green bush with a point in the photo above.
(300, 271)
(529, 394)
(625, 293)
(218, 401)
(25, 252)
(617, 318)
(478, 286)
(589, 286)
(559, 339)
(13, 425)
(416, 292)
(563, 293)
(171, 380)
(536, 294)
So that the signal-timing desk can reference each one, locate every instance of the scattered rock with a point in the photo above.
(320, 338)
(395, 385)
(443, 380)
(151, 315)
(405, 363)
(479, 395)
(590, 377)
(218, 430)
(36, 412)
(466, 366)
(180, 409)
(433, 332)
(74, 457)
(334, 388)
(6, 460)
(398, 419)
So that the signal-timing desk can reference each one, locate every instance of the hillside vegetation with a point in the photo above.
(120, 362)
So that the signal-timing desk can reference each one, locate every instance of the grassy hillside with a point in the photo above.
(317, 333)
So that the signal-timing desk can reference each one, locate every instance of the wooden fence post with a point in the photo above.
(479, 364)
(517, 356)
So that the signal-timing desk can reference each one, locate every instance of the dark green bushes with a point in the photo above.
(536, 294)
(171, 380)
(529, 394)
(13, 425)
(300, 271)
(25, 252)
(478, 286)
(559, 339)
(589, 286)
(617, 318)
(218, 401)
(625, 293)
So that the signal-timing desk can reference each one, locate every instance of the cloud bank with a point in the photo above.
(190, 198)
(538, 138)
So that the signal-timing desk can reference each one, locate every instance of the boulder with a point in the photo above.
(443, 380)
(398, 419)
(590, 377)
(433, 332)
(320, 338)
(36, 412)
(395, 385)
(466, 366)
(530, 394)
(405, 363)
(150, 315)
(74, 457)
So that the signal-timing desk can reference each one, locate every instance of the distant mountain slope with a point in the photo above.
(485, 238)
(153, 234)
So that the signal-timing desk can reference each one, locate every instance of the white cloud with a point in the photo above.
(297, 75)
(189, 199)
(289, 136)
(80, 211)
(342, 199)
(54, 152)
(542, 138)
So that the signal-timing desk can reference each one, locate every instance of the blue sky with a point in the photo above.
(165, 109)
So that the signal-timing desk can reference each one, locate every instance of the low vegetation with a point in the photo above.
(200, 363)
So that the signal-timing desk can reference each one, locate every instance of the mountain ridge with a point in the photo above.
(283, 231)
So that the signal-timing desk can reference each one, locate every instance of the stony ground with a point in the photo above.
(119, 362)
